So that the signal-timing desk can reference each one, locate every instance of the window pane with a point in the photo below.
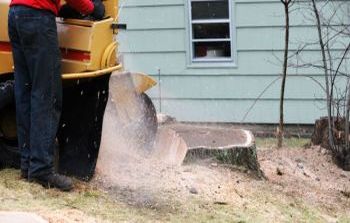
(210, 31)
(210, 10)
(212, 50)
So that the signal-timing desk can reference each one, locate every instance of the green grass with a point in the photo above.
(344, 219)
(18, 195)
(287, 142)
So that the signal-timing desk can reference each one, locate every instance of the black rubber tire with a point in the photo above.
(9, 153)
(6, 93)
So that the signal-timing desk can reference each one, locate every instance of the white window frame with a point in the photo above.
(211, 61)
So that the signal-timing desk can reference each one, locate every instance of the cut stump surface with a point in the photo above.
(228, 146)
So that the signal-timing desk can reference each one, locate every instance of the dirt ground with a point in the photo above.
(308, 175)
(302, 185)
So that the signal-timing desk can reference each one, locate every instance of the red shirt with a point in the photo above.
(83, 6)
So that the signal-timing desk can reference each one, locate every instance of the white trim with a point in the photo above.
(210, 21)
(211, 40)
(220, 59)
(206, 0)
(190, 28)
(233, 34)
(215, 62)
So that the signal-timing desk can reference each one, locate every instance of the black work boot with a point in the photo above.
(54, 180)
(24, 174)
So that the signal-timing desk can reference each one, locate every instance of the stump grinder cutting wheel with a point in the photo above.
(104, 107)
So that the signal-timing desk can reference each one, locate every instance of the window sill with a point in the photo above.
(208, 65)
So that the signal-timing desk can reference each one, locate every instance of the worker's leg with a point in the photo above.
(39, 41)
(46, 97)
(22, 93)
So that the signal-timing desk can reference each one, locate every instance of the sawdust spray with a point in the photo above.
(124, 165)
(139, 176)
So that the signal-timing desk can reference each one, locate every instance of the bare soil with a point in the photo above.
(302, 185)
(310, 175)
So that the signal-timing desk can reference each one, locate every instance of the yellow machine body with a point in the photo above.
(88, 48)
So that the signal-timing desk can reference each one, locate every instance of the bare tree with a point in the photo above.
(332, 24)
(280, 129)
(326, 72)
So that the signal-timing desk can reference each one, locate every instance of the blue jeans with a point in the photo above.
(38, 88)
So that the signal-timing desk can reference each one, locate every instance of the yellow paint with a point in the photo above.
(111, 8)
(109, 50)
(142, 82)
(3, 19)
(94, 38)
(73, 36)
(91, 74)
(90, 37)
(6, 63)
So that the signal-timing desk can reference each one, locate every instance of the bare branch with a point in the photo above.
(258, 98)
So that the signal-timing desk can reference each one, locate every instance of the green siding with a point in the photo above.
(235, 88)
(157, 42)
(263, 39)
(249, 63)
(234, 110)
(157, 17)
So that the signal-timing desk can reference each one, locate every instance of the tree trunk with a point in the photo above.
(326, 73)
(280, 130)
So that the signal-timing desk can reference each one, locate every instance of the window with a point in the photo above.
(210, 31)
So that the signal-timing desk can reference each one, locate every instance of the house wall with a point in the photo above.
(156, 42)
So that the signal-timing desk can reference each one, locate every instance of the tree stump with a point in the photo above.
(245, 157)
(231, 146)
(320, 137)
(320, 132)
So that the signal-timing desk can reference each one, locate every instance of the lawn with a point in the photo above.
(225, 196)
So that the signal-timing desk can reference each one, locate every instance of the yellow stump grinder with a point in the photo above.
(96, 92)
